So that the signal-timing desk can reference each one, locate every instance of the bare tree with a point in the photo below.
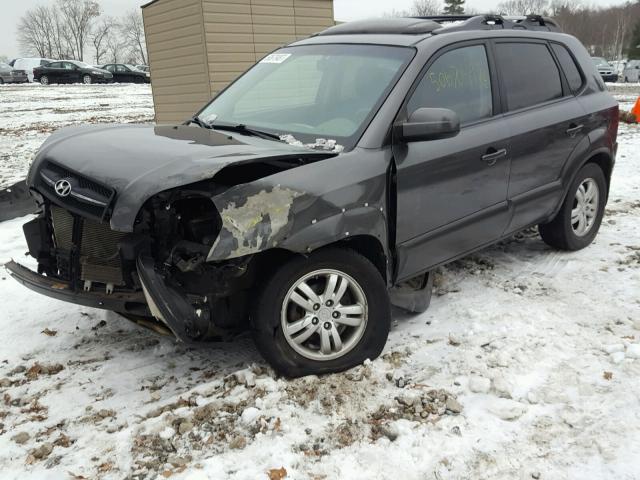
(523, 7)
(115, 47)
(425, 8)
(78, 16)
(99, 38)
(132, 29)
(36, 32)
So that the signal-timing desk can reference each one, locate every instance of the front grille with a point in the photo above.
(97, 253)
(86, 197)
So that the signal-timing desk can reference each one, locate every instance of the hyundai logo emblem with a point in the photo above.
(63, 188)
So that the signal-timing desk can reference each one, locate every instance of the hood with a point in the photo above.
(139, 161)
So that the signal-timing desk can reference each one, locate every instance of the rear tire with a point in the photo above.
(44, 80)
(338, 337)
(578, 221)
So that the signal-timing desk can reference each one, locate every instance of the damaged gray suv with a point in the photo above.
(325, 184)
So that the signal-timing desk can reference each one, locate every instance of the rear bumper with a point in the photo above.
(118, 301)
(15, 79)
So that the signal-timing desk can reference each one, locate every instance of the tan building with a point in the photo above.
(196, 47)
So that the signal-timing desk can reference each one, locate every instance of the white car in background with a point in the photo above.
(28, 64)
(631, 72)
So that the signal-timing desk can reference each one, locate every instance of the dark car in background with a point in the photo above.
(327, 183)
(124, 73)
(605, 69)
(8, 74)
(70, 71)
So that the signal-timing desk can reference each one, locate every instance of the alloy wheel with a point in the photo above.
(324, 314)
(585, 207)
(87, 80)
(44, 80)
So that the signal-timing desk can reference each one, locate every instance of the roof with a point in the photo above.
(149, 3)
(441, 24)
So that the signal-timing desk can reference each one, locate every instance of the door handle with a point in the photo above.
(574, 129)
(492, 156)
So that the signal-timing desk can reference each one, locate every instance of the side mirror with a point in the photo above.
(430, 124)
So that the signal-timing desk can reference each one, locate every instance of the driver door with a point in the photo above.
(452, 192)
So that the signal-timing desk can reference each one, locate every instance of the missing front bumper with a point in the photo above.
(190, 324)
(118, 301)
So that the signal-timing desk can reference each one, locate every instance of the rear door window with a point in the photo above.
(458, 80)
(529, 74)
(571, 70)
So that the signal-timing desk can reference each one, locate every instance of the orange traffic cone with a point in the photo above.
(636, 110)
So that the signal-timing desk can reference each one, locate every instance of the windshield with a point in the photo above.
(600, 62)
(81, 64)
(312, 91)
(132, 67)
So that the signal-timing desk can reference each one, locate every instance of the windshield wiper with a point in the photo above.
(198, 121)
(241, 128)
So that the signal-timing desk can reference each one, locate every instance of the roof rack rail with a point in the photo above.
(440, 24)
(492, 22)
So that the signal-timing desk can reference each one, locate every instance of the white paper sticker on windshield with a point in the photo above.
(275, 58)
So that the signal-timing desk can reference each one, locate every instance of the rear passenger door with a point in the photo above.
(547, 124)
(452, 192)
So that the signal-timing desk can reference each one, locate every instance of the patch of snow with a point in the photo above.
(320, 144)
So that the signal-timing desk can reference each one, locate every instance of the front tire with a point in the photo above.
(323, 313)
(87, 80)
(578, 221)
(44, 80)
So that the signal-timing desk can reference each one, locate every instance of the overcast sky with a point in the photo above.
(12, 10)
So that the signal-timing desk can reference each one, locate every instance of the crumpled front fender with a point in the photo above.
(303, 209)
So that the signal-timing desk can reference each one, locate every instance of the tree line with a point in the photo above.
(611, 32)
(77, 29)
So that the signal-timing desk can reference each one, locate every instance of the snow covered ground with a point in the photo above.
(526, 366)
(30, 112)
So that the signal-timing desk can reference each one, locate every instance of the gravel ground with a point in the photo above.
(526, 366)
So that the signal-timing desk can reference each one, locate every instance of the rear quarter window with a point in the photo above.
(571, 70)
(529, 74)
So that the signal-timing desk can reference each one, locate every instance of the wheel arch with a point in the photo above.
(368, 246)
(601, 157)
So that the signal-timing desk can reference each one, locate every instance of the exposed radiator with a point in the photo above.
(99, 256)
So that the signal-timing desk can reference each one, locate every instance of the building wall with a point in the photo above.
(177, 56)
(211, 42)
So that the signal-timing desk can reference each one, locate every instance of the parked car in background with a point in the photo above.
(8, 74)
(28, 64)
(618, 66)
(70, 71)
(124, 73)
(605, 70)
(631, 72)
(144, 68)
